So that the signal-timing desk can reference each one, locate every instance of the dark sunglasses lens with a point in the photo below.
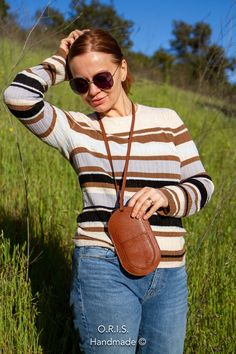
(79, 85)
(103, 80)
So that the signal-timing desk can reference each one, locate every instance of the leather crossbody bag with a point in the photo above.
(133, 239)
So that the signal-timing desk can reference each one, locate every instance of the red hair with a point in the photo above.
(97, 40)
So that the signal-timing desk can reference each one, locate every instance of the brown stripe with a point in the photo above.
(59, 60)
(107, 186)
(179, 253)
(171, 209)
(169, 233)
(98, 185)
(33, 120)
(91, 169)
(156, 233)
(126, 134)
(92, 239)
(29, 71)
(95, 229)
(161, 137)
(51, 70)
(165, 136)
(85, 125)
(189, 161)
(172, 259)
(182, 138)
(61, 52)
(74, 125)
(20, 108)
(179, 129)
(156, 130)
(188, 202)
(80, 150)
(176, 199)
(50, 129)
(191, 186)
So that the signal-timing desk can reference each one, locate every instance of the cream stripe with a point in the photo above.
(195, 195)
(172, 264)
(170, 243)
(34, 76)
(100, 235)
(180, 203)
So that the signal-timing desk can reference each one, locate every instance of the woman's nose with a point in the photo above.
(93, 89)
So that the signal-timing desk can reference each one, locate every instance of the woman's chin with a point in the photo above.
(101, 108)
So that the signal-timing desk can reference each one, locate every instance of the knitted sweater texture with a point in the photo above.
(163, 155)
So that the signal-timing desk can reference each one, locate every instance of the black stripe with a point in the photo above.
(172, 256)
(95, 215)
(27, 89)
(200, 186)
(97, 206)
(29, 113)
(29, 81)
(198, 176)
(159, 220)
(136, 183)
(203, 176)
(103, 216)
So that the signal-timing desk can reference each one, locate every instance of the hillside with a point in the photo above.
(40, 199)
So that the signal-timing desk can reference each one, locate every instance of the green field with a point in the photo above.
(40, 199)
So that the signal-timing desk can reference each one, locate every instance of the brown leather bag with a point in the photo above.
(133, 239)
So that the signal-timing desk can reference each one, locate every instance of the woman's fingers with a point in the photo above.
(146, 202)
(67, 42)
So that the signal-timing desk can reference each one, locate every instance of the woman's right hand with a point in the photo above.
(67, 42)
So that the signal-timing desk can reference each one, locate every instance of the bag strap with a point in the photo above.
(121, 200)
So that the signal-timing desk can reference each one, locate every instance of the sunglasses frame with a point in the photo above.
(89, 82)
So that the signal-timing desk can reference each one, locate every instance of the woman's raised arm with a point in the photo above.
(25, 98)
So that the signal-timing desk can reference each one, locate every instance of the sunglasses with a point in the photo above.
(103, 80)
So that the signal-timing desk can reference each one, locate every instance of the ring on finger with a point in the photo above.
(150, 201)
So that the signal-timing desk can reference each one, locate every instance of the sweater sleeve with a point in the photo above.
(25, 100)
(196, 187)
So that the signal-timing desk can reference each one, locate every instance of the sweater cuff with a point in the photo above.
(170, 210)
(61, 53)
(55, 66)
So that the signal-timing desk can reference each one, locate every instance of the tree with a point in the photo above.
(98, 15)
(4, 7)
(182, 33)
(190, 39)
(217, 63)
(200, 38)
(164, 61)
(203, 60)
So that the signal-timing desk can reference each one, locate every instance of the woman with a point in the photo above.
(114, 311)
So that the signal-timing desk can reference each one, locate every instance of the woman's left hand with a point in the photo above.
(147, 198)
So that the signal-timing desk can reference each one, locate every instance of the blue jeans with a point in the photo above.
(116, 312)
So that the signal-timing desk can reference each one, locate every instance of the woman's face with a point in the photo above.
(89, 64)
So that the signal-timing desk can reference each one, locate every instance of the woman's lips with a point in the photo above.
(98, 101)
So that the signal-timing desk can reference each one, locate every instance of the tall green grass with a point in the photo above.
(34, 312)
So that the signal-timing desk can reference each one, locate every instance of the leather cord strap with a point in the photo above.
(121, 200)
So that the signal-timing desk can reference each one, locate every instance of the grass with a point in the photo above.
(34, 312)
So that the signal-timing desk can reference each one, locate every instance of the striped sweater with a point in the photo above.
(163, 156)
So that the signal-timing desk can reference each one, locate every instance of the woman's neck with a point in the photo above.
(122, 107)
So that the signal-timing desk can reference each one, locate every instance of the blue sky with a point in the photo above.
(153, 18)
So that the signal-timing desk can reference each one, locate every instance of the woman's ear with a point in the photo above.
(124, 70)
